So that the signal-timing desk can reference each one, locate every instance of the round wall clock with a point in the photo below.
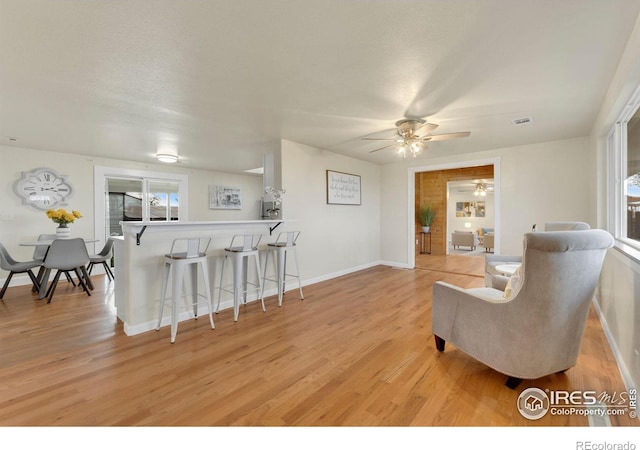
(42, 188)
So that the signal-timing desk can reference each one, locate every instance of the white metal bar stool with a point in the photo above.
(284, 243)
(185, 252)
(241, 248)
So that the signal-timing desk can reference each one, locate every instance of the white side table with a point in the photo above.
(507, 269)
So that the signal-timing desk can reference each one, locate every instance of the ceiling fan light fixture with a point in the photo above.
(481, 190)
(416, 148)
(410, 140)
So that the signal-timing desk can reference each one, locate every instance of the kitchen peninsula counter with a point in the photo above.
(139, 262)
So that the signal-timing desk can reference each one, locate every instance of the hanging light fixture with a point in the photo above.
(481, 190)
(411, 146)
(416, 148)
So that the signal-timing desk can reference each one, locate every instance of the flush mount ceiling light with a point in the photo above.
(166, 158)
(167, 153)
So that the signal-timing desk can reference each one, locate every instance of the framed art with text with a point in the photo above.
(343, 188)
(224, 197)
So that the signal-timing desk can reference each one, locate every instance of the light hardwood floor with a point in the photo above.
(358, 351)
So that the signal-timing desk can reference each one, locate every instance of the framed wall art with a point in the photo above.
(343, 188)
(470, 209)
(225, 197)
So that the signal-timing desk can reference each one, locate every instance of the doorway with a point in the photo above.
(428, 184)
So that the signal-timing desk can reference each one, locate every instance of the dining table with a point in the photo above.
(44, 275)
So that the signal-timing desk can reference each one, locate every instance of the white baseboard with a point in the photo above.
(397, 265)
(622, 367)
(187, 315)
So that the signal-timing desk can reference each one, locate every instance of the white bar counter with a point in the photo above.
(139, 263)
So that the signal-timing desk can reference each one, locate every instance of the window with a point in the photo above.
(632, 180)
(623, 158)
(136, 195)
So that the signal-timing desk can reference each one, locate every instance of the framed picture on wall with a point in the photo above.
(470, 209)
(343, 188)
(225, 197)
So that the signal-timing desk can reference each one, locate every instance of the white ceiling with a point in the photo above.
(219, 79)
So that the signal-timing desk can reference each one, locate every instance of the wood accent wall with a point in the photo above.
(431, 187)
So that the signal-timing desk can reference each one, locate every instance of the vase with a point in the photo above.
(63, 231)
(274, 213)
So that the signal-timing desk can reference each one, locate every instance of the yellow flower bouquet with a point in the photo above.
(62, 217)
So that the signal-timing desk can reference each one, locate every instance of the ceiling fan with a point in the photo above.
(409, 141)
(479, 189)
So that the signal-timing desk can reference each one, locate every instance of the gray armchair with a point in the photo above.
(538, 329)
(491, 261)
(465, 239)
(488, 242)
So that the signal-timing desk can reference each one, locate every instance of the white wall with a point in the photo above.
(334, 239)
(539, 183)
(618, 297)
(23, 222)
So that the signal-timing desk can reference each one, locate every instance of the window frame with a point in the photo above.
(103, 172)
(616, 151)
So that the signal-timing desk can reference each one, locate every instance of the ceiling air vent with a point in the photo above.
(522, 121)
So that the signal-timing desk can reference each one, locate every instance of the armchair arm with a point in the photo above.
(499, 282)
(493, 260)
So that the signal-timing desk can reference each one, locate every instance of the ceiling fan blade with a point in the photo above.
(378, 139)
(428, 127)
(381, 148)
(444, 137)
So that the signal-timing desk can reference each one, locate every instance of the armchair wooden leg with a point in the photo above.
(439, 343)
(513, 382)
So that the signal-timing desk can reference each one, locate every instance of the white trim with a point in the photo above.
(411, 174)
(396, 265)
(622, 367)
(617, 152)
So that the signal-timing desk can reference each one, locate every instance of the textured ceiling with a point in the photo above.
(220, 79)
